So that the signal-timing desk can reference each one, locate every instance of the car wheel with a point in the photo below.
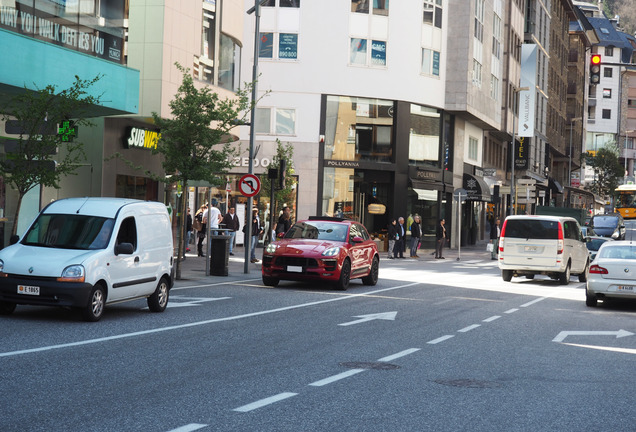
(345, 275)
(270, 281)
(6, 308)
(586, 272)
(564, 278)
(158, 301)
(506, 275)
(95, 308)
(590, 299)
(372, 277)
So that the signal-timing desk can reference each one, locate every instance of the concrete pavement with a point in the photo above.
(193, 267)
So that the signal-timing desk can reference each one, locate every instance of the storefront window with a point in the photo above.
(424, 142)
(229, 63)
(141, 188)
(359, 129)
(424, 203)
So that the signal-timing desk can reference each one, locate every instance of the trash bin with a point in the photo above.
(219, 255)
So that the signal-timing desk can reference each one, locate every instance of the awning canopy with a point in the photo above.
(426, 195)
(555, 186)
(476, 188)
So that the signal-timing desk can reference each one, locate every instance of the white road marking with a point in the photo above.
(619, 334)
(335, 378)
(440, 339)
(213, 284)
(469, 328)
(492, 318)
(189, 428)
(398, 355)
(198, 323)
(509, 311)
(530, 303)
(264, 402)
(614, 349)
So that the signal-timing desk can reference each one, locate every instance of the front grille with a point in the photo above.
(32, 278)
(296, 261)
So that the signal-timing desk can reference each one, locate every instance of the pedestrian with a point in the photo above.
(231, 222)
(400, 244)
(188, 230)
(213, 216)
(495, 232)
(284, 221)
(257, 230)
(416, 235)
(392, 233)
(201, 232)
(440, 235)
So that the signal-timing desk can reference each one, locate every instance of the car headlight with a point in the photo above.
(72, 273)
(615, 235)
(333, 251)
(271, 248)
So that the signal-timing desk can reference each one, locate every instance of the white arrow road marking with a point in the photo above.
(192, 301)
(389, 316)
(620, 350)
(620, 333)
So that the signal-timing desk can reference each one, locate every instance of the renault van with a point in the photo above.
(85, 253)
(547, 245)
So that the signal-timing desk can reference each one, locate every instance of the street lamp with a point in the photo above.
(625, 155)
(572, 120)
(512, 151)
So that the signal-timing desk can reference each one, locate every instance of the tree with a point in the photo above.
(195, 141)
(41, 155)
(607, 169)
(285, 195)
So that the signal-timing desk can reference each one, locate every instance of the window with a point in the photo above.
(607, 72)
(282, 3)
(433, 13)
(476, 73)
(284, 121)
(229, 63)
(286, 48)
(609, 51)
(473, 148)
(360, 55)
(494, 87)
(631, 103)
(607, 93)
(430, 62)
(607, 113)
(479, 20)
(496, 36)
(424, 137)
(380, 7)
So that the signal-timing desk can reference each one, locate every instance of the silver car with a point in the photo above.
(612, 273)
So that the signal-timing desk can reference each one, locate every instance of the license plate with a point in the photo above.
(530, 249)
(28, 290)
(295, 269)
(626, 288)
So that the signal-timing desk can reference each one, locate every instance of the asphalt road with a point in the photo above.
(439, 345)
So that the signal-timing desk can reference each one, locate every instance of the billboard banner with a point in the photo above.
(527, 98)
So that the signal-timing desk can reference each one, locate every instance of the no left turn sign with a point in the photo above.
(249, 185)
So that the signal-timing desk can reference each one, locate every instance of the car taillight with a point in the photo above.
(596, 269)
(560, 241)
(501, 236)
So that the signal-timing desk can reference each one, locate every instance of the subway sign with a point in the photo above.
(141, 138)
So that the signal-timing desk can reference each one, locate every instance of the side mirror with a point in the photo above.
(357, 239)
(124, 249)
(280, 235)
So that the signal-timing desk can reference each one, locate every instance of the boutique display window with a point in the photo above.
(424, 142)
(359, 129)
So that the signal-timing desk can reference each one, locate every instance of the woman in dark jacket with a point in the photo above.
(441, 236)
(416, 235)
(392, 232)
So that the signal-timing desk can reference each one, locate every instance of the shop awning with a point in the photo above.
(426, 195)
(477, 188)
(555, 186)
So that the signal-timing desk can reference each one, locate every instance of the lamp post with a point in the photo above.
(572, 120)
(625, 155)
(512, 152)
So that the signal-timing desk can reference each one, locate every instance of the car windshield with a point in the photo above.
(535, 229)
(318, 230)
(626, 252)
(605, 221)
(594, 244)
(70, 231)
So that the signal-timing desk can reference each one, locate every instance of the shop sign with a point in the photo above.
(427, 175)
(521, 153)
(245, 162)
(141, 138)
(342, 164)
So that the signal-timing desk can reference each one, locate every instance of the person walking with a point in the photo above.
(495, 232)
(392, 233)
(188, 230)
(256, 232)
(284, 221)
(201, 233)
(399, 247)
(440, 235)
(416, 235)
(231, 222)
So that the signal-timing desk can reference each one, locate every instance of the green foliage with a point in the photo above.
(286, 195)
(195, 141)
(39, 113)
(608, 171)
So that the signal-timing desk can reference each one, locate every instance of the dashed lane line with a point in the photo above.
(492, 318)
(189, 427)
(264, 402)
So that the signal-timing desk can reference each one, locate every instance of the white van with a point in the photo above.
(549, 245)
(85, 253)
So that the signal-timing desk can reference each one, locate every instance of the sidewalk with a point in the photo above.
(193, 267)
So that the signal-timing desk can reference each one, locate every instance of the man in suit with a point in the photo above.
(400, 241)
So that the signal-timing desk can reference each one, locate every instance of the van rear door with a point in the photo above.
(530, 242)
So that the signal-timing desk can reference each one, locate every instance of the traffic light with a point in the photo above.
(595, 69)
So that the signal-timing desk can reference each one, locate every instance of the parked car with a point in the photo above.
(613, 273)
(85, 253)
(609, 225)
(328, 249)
(593, 244)
(546, 245)
(587, 231)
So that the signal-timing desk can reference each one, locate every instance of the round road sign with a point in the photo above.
(249, 185)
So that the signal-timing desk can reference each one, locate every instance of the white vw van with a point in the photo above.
(549, 245)
(88, 252)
